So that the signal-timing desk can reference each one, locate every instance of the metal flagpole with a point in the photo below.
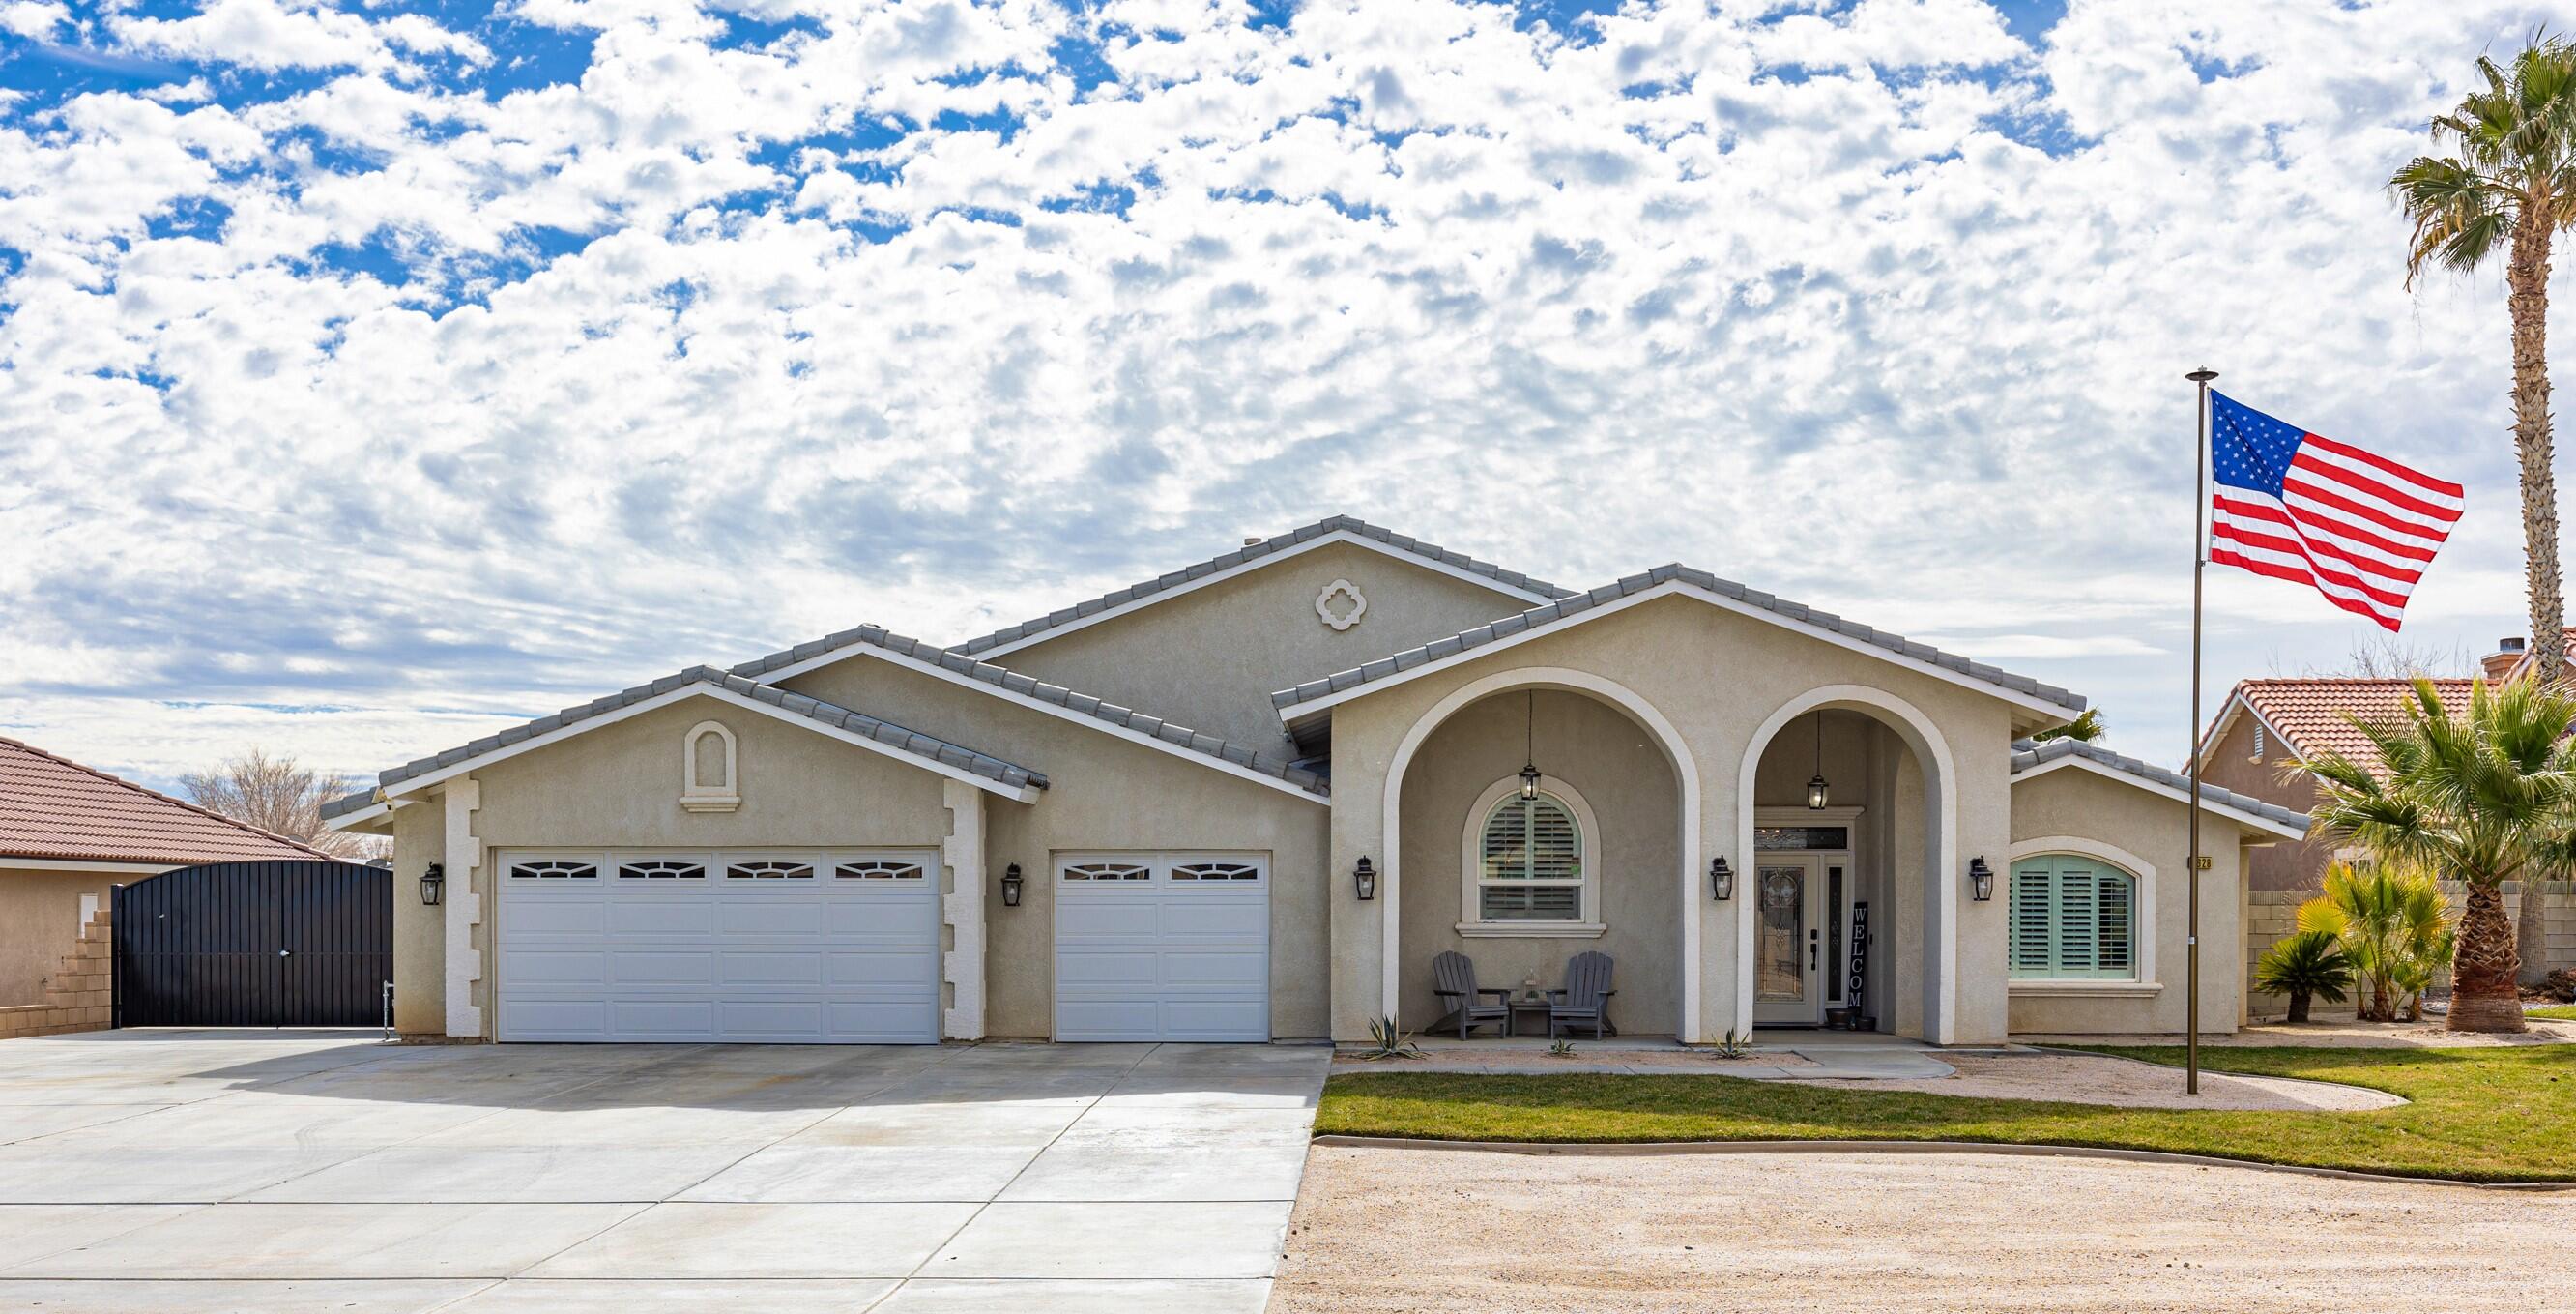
(2191, 807)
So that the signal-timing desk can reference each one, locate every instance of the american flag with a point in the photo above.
(2357, 526)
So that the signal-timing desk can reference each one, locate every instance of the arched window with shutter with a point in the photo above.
(1528, 863)
(2074, 918)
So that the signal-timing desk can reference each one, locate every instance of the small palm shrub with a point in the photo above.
(2395, 929)
(2306, 966)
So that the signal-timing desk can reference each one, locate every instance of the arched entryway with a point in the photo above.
(1874, 860)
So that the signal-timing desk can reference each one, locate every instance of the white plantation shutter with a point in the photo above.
(2072, 918)
(1531, 862)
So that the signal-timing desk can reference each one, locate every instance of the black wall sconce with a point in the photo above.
(1981, 879)
(1365, 876)
(433, 883)
(1721, 879)
(1011, 886)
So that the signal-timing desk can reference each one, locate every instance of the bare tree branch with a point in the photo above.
(281, 796)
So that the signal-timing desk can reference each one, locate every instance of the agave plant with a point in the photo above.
(2306, 966)
(1738, 1044)
(1386, 1041)
(2394, 928)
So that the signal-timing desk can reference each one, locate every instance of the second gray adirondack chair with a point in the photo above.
(1584, 1000)
(1453, 979)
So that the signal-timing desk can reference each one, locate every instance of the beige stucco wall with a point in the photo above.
(40, 922)
(420, 949)
(2073, 801)
(1210, 658)
(1109, 794)
(1626, 781)
(1715, 676)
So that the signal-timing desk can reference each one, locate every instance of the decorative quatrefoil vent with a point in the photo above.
(1348, 612)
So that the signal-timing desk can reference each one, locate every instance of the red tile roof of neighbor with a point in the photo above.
(2309, 714)
(56, 809)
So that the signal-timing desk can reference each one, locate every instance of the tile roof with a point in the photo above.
(55, 809)
(2028, 756)
(813, 709)
(1565, 608)
(1253, 552)
(2308, 714)
(929, 655)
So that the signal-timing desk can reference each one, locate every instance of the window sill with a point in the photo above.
(1531, 930)
(2085, 989)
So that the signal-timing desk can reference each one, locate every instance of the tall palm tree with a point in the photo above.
(2510, 186)
(2484, 795)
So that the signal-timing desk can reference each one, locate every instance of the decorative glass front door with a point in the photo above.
(1788, 943)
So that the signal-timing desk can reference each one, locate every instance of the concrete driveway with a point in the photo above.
(256, 1170)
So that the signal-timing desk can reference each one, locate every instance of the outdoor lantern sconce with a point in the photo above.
(433, 882)
(1981, 879)
(1819, 793)
(1366, 876)
(1721, 878)
(1011, 886)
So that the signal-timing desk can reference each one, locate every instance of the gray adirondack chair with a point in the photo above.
(1584, 999)
(1453, 979)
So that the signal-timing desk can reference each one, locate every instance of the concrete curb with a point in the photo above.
(1615, 1149)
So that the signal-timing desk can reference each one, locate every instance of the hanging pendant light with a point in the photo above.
(1818, 792)
(1529, 757)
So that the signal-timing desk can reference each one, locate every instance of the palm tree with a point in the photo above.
(2511, 186)
(2485, 798)
(2395, 930)
(2085, 728)
(2306, 966)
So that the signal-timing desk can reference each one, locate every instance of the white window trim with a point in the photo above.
(1471, 922)
(2142, 914)
(723, 797)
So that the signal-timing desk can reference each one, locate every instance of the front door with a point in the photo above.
(1789, 985)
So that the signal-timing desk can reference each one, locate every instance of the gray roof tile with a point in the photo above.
(1251, 552)
(814, 709)
(1576, 604)
(2029, 755)
(928, 655)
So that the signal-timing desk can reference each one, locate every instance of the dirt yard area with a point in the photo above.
(1430, 1231)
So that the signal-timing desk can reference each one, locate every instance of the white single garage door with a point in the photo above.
(1162, 946)
(801, 946)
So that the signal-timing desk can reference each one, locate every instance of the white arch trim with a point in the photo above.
(1940, 944)
(1390, 878)
(2143, 911)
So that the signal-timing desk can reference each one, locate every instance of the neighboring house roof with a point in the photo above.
(2022, 689)
(2311, 715)
(2531, 655)
(1336, 529)
(859, 728)
(1125, 722)
(2031, 759)
(56, 810)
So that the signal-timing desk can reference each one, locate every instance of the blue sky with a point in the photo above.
(371, 374)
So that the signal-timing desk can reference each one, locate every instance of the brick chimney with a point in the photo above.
(2507, 653)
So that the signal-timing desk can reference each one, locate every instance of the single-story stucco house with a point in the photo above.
(1766, 815)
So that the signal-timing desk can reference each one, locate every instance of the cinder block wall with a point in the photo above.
(2271, 914)
(79, 996)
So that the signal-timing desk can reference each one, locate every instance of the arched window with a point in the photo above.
(2073, 918)
(708, 767)
(1526, 866)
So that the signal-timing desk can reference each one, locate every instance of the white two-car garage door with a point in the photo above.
(1162, 946)
(805, 946)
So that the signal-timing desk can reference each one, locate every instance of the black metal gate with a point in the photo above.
(255, 944)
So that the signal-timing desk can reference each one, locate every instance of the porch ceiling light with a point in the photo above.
(1366, 878)
(1818, 792)
(433, 883)
(1981, 879)
(1011, 882)
(1529, 753)
(1721, 879)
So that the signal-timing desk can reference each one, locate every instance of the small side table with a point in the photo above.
(1534, 1009)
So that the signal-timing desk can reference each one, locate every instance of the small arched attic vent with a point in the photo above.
(709, 769)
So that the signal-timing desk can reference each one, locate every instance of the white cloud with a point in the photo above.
(36, 20)
(626, 379)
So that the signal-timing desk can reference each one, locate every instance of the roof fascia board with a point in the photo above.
(2238, 706)
(2109, 772)
(1129, 734)
(106, 866)
(1134, 605)
(698, 689)
(350, 820)
(2055, 713)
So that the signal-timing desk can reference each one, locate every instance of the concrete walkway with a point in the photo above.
(1778, 1056)
(183, 1171)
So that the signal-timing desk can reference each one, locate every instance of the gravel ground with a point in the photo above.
(1422, 1231)
(2098, 1079)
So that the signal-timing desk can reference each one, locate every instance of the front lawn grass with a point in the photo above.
(2496, 1115)
(2554, 1012)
